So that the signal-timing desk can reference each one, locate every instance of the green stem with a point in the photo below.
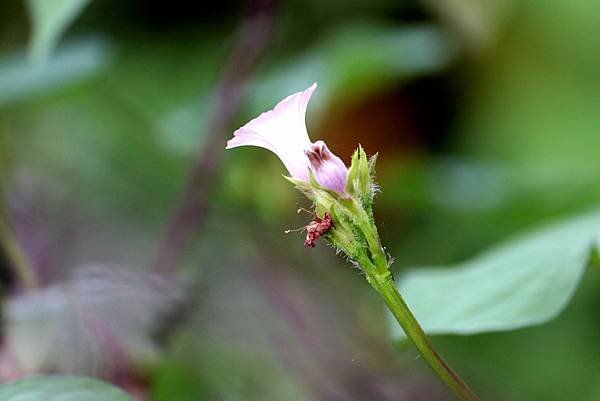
(385, 286)
(355, 233)
(376, 267)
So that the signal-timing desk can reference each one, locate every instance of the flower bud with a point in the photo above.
(328, 169)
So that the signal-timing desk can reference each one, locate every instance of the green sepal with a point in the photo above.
(359, 183)
(301, 185)
(341, 236)
(298, 183)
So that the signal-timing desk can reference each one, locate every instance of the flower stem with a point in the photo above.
(385, 286)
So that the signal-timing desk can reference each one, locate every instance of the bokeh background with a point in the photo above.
(135, 249)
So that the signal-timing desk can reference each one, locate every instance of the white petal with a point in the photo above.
(282, 131)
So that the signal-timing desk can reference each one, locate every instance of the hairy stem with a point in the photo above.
(376, 267)
(385, 286)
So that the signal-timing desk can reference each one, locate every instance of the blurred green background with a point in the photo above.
(485, 115)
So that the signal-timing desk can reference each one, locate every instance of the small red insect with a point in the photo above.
(316, 228)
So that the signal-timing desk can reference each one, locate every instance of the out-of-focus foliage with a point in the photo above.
(477, 23)
(59, 388)
(97, 323)
(366, 57)
(526, 281)
(50, 19)
(531, 101)
(73, 63)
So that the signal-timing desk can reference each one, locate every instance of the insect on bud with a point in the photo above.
(316, 228)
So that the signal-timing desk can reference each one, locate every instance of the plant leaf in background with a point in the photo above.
(526, 281)
(50, 19)
(353, 61)
(59, 388)
(72, 63)
(476, 23)
(98, 322)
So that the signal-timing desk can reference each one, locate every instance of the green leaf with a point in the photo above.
(73, 63)
(50, 19)
(40, 327)
(523, 282)
(60, 388)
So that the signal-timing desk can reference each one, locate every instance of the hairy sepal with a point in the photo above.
(360, 183)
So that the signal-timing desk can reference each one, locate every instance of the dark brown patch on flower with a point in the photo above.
(317, 155)
(316, 228)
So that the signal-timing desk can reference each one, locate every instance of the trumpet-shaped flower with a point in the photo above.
(343, 210)
(283, 132)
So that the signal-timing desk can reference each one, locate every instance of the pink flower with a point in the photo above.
(283, 132)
